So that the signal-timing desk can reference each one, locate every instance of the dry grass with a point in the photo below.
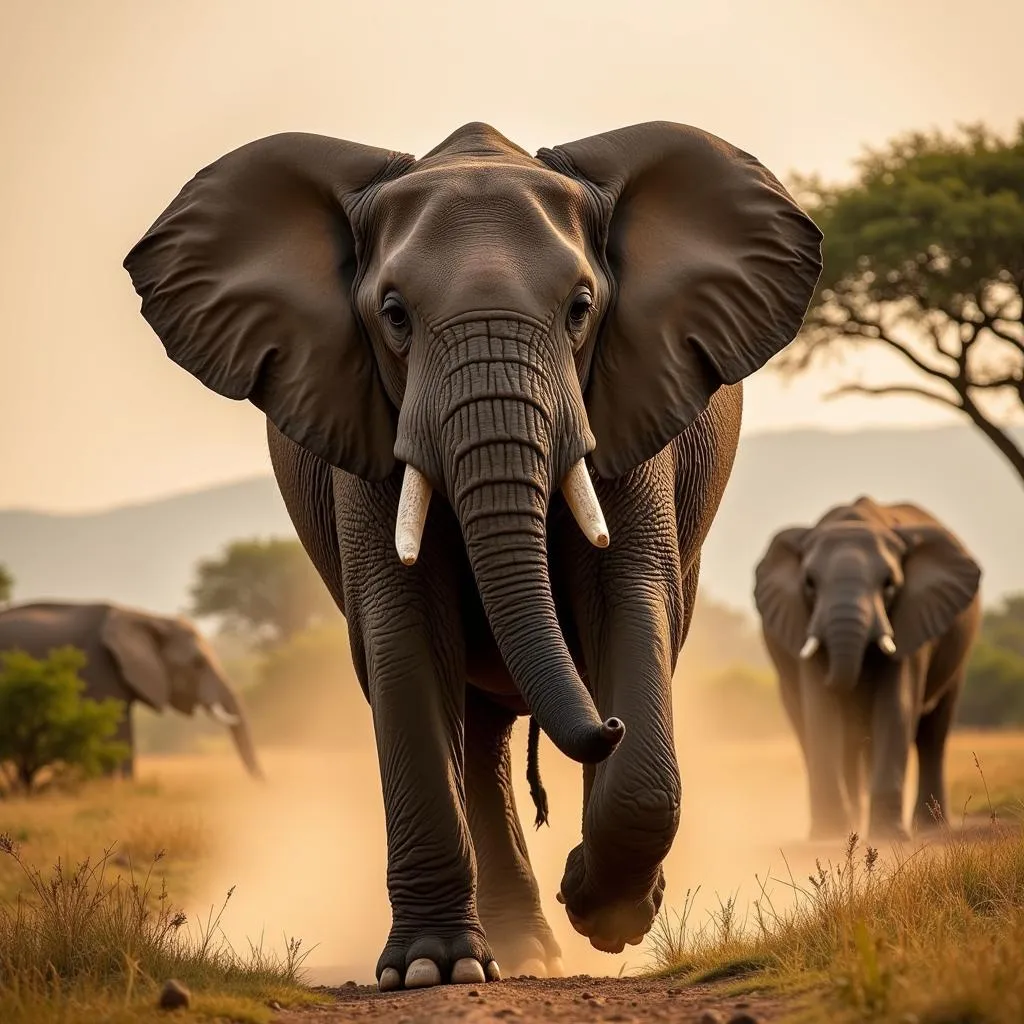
(88, 943)
(929, 936)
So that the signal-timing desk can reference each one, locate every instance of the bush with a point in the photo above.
(994, 691)
(46, 723)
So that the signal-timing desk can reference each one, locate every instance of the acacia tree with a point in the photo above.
(924, 257)
(265, 591)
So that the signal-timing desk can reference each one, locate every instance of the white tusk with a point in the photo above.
(810, 648)
(586, 509)
(221, 713)
(887, 644)
(412, 514)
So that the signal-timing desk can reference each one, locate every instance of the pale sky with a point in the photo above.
(107, 107)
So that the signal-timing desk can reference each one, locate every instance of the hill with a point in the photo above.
(144, 554)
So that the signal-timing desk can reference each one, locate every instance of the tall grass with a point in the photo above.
(87, 937)
(935, 937)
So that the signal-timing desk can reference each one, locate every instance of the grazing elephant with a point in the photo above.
(133, 655)
(869, 617)
(473, 325)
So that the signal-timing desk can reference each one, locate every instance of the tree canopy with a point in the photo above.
(924, 256)
(45, 722)
(263, 590)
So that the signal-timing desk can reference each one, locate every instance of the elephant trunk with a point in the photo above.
(846, 637)
(242, 737)
(222, 704)
(509, 433)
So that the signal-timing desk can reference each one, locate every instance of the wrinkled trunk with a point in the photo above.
(220, 701)
(847, 631)
(242, 737)
(512, 435)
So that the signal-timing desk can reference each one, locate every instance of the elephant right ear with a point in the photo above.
(713, 263)
(247, 277)
(132, 640)
(778, 590)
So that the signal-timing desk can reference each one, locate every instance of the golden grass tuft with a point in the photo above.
(88, 942)
(935, 936)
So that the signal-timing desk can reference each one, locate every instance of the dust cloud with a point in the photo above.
(306, 851)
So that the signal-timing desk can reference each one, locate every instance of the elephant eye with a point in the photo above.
(394, 314)
(810, 588)
(889, 588)
(579, 310)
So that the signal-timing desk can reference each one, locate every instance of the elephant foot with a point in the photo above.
(888, 831)
(426, 960)
(528, 955)
(604, 913)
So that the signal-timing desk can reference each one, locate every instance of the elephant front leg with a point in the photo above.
(892, 734)
(824, 734)
(408, 649)
(613, 883)
(507, 893)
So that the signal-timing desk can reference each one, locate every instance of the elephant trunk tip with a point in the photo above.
(598, 743)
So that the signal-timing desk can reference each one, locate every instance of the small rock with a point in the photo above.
(473, 992)
(711, 1017)
(350, 984)
(174, 996)
(586, 995)
(744, 1018)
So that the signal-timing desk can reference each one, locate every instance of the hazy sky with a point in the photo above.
(107, 107)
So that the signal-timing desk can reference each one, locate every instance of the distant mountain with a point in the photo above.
(145, 554)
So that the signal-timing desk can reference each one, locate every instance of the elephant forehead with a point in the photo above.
(853, 543)
(481, 234)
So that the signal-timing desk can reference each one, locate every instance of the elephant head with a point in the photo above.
(855, 587)
(488, 319)
(165, 661)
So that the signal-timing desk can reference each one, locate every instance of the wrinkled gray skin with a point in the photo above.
(492, 318)
(132, 656)
(865, 572)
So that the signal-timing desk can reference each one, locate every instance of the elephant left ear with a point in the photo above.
(714, 265)
(940, 581)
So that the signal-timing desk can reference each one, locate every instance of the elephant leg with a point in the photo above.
(408, 649)
(507, 895)
(125, 734)
(855, 750)
(932, 733)
(824, 729)
(613, 882)
(891, 735)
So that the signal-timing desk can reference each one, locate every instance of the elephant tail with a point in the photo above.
(537, 791)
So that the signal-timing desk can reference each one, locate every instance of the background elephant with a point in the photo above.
(869, 617)
(473, 325)
(133, 655)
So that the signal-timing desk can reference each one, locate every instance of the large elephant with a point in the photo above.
(473, 325)
(134, 656)
(869, 617)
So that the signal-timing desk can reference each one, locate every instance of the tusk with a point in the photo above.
(412, 514)
(810, 648)
(221, 713)
(887, 644)
(582, 500)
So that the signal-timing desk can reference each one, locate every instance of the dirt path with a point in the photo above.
(579, 999)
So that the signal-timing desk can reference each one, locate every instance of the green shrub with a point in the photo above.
(46, 723)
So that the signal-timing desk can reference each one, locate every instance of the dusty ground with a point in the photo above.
(581, 998)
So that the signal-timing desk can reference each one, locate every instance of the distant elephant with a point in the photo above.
(133, 655)
(869, 617)
(474, 324)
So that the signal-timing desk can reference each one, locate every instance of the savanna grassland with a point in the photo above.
(193, 872)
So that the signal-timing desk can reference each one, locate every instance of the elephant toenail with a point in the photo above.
(467, 971)
(560, 897)
(390, 980)
(493, 971)
(422, 973)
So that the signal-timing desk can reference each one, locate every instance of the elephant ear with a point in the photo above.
(714, 265)
(778, 590)
(134, 641)
(247, 277)
(940, 581)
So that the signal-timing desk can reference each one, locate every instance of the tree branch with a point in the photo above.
(894, 389)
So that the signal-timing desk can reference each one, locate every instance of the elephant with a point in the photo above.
(503, 394)
(133, 655)
(869, 617)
